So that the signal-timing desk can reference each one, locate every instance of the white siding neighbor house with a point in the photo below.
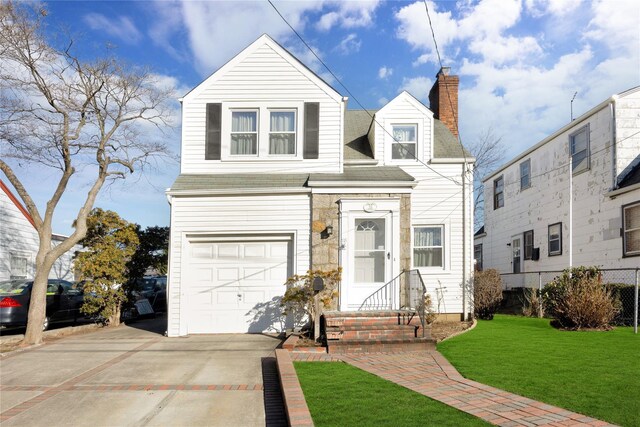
(278, 177)
(19, 242)
(572, 199)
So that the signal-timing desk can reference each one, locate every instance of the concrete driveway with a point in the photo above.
(134, 376)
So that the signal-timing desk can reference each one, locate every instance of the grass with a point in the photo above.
(593, 373)
(340, 395)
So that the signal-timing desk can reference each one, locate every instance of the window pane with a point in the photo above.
(244, 121)
(283, 121)
(554, 246)
(427, 257)
(370, 234)
(579, 142)
(632, 242)
(427, 236)
(244, 143)
(403, 151)
(282, 143)
(369, 267)
(404, 133)
(632, 217)
(580, 161)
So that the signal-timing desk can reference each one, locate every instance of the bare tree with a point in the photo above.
(61, 112)
(489, 151)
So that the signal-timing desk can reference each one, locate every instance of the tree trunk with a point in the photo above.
(38, 302)
(114, 320)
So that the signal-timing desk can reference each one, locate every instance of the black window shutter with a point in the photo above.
(311, 129)
(213, 137)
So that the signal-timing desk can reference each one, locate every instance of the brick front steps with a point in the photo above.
(375, 331)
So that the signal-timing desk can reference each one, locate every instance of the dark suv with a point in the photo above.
(63, 302)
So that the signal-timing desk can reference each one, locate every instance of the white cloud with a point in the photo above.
(414, 27)
(385, 72)
(349, 44)
(560, 8)
(383, 101)
(419, 87)
(616, 24)
(348, 14)
(122, 27)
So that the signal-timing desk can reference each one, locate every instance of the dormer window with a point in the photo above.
(404, 141)
(244, 133)
(282, 133)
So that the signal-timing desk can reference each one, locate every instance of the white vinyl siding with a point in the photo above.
(267, 80)
(233, 216)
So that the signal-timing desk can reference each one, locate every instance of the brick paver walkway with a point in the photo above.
(430, 374)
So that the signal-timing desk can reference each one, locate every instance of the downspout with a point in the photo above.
(168, 290)
(614, 166)
(465, 287)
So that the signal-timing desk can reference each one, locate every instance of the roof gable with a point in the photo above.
(17, 204)
(406, 97)
(262, 41)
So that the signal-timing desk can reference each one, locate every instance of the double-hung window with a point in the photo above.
(528, 244)
(405, 141)
(498, 193)
(282, 133)
(555, 239)
(244, 133)
(18, 266)
(631, 229)
(579, 146)
(525, 174)
(428, 246)
(477, 255)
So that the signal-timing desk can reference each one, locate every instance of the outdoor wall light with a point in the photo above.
(329, 230)
(508, 244)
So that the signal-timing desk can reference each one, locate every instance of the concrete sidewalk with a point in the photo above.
(132, 376)
(430, 374)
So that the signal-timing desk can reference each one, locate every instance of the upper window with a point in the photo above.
(528, 244)
(631, 229)
(498, 193)
(404, 142)
(525, 174)
(282, 132)
(18, 267)
(428, 246)
(555, 239)
(579, 146)
(244, 133)
(477, 255)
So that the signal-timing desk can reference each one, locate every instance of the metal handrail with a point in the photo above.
(383, 298)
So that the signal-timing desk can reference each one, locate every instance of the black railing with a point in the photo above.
(407, 285)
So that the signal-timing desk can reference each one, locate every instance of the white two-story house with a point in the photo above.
(572, 199)
(278, 177)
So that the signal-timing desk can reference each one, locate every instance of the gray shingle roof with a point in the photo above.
(633, 177)
(357, 146)
(187, 182)
(364, 174)
(356, 126)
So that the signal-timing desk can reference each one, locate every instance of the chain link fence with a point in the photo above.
(522, 292)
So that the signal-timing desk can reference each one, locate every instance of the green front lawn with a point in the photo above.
(594, 373)
(340, 395)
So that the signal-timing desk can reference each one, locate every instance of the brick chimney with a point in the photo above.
(443, 105)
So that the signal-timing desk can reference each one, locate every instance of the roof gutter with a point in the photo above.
(236, 191)
(379, 184)
(443, 160)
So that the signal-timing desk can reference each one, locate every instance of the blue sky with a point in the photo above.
(519, 62)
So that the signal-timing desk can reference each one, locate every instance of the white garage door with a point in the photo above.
(236, 286)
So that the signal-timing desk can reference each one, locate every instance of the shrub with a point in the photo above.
(298, 298)
(532, 304)
(577, 300)
(487, 293)
(625, 295)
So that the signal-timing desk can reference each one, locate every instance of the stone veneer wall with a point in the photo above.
(324, 208)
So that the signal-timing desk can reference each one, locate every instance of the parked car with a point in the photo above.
(63, 302)
(154, 289)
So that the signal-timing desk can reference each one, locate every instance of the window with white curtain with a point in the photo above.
(244, 133)
(428, 246)
(404, 142)
(282, 132)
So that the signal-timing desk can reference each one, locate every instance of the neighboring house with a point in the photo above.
(529, 223)
(278, 177)
(19, 242)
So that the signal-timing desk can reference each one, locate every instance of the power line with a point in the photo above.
(356, 99)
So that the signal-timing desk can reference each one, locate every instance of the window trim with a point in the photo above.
(559, 252)
(525, 246)
(528, 162)
(635, 204)
(585, 128)
(443, 247)
(495, 195)
(295, 132)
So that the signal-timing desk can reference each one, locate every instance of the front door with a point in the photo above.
(369, 256)
(517, 254)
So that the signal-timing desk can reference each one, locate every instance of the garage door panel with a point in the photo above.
(240, 288)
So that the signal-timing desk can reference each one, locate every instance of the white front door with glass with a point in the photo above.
(369, 250)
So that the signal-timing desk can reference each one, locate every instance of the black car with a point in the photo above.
(154, 289)
(63, 302)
